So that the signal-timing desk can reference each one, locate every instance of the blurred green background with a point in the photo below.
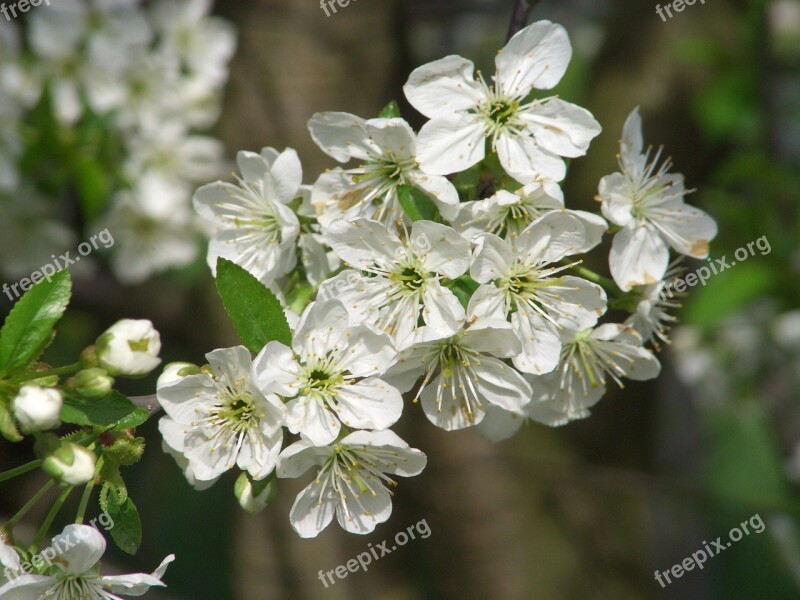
(590, 510)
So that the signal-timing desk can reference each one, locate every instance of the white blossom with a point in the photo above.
(400, 280)
(77, 573)
(224, 418)
(647, 202)
(526, 280)
(387, 151)
(331, 374)
(352, 481)
(530, 137)
(254, 226)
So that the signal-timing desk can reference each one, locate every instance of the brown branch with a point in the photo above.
(519, 18)
(149, 403)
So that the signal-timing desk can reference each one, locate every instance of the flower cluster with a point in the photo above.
(441, 267)
(127, 88)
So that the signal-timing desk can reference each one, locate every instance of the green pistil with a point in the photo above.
(410, 277)
(502, 112)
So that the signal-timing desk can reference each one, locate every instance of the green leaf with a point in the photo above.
(8, 428)
(390, 111)
(111, 410)
(29, 327)
(254, 310)
(134, 419)
(127, 529)
(416, 203)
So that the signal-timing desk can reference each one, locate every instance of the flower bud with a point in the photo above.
(91, 383)
(254, 496)
(129, 347)
(37, 408)
(176, 371)
(70, 464)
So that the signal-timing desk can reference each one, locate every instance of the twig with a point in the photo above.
(519, 18)
(149, 403)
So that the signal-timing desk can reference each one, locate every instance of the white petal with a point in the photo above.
(594, 227)
(638, 257)
(562, 128)
(310, 514)
(309, 417)
(341, 135)
(275, 370)
(322, 327)
(526, 161)
(493, 258)
(367, 353)
(550, 238)
(393, 137)
(443, 193)
(365, 511)
(499, 424)
(89, 546)
(443, 87)
(502, 385)
(442, 310)
(445, 251)
(536, 57)
(687, 229)
(369, 404)
(27, 587)
(450, 144)
(541, 345)
(495, 337)
(299, 458)
(363, 242)
(615, 193)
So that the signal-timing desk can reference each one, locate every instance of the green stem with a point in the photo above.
(29, 505)
(87, 493)
(51, 516)
(65, 370)
(21, 470)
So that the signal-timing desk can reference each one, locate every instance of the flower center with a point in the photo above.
(410, 278)
(75, 588)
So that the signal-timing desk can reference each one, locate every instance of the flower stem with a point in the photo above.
(519, 18)
(65, 370)
(48, 521)
(21, 470)
(87, 493)
(29, 505)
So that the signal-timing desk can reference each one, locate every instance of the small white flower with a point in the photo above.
(647, 202)
(221, 419)
(37, 408)
(403, 280)
(588, 359)
(250, 500)
(352, 481)
(78, 573)
(204, 44)
(70, 464)
(507, 214)
(331, 371)
(144, 243)
(462, 371)
(254, 226)
(651, 319)
(129, 347)
(525, 280)
(387, 149)
(529, 137)
(9, 558)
